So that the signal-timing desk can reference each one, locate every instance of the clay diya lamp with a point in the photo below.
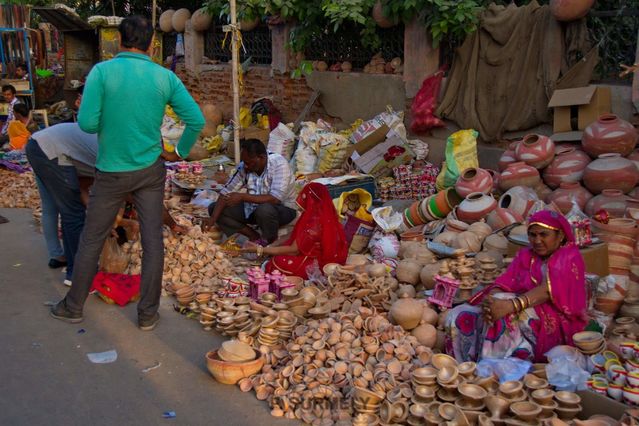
(433, 418)
(393, 412)
(368, 397)
(424, 394)
(418, 410)
(511, 389)
(440, 361)
(447, 375)
(475, 394)
(467, 369)
(525, 410)
(548, 410)
(447, 411)
(568, 413)
(472, 416)
(497, 405)
(567, 399)
(543, 396)
(424, 376)
(533, 382)
(489, 383)
(484, 420)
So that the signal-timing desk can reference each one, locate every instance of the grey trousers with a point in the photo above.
(268, 217)
(106, 197)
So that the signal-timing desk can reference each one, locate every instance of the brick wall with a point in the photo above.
(214, 85)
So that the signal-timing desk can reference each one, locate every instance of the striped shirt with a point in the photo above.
(277, 180)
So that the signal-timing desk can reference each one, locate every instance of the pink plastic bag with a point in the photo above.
(424, 104)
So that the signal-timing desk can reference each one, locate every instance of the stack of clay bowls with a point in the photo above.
(526, 412)
(185, 295)
(544, 397)
(569, 405)
(393, 412)
(366, 401)
(589, 342)
(513, 391)
(471, 401)
(207, 315)
(236, 351)
(268, 299)
(268, 334)
(447, 377)
(285, 323)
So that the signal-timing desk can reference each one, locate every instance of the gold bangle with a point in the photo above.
(528, 303)
(516, 303)
(523, 303)
(260, 251)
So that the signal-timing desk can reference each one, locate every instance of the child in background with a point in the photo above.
(19, 129)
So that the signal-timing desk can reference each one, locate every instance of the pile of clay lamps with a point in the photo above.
(18, 190)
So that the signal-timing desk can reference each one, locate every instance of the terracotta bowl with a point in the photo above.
(588, 340)
(543, 396)
(497, 405)
(549, 408)
(424, 375)
(533, 382)
(472, 391)
(447, 375)
(467, 368)
(488, 383)
(442, 360)
(447, 411)
(367, 397)
(511, 388)
(567, 413)
(525, 410)
(231, 372)
(298, 282)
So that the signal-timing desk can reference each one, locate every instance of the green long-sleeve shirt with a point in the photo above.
(124, 101)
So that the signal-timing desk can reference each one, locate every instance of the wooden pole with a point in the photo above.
(236, 84)
(153, 7)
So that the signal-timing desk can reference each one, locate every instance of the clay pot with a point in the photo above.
(427, 275)
(447, 238)
(570, 10)
(407, 312)
(567, 166)
(535, 150)
(472, 180)
(518, 199)
(212, 114)
(611, 200)
(494, 174)
(408, 271)
(562, 197)
(482, 229)
(166, 18)
(468, 241)
(630, 308)
(518, 174)
(609, 134)
(501, 218)
(610, 171)
(201, 20)
(542, 190)
(179, 18)
(379, 17)
(634, 157)
(429, 316)
(508, 157)
(475, 207)
(426, 335)
(496, 242)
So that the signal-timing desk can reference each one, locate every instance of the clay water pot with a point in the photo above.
(166, 23)
(609, 134)
(634, 157)
(427, 275)
(562, 197)
(495, 175)
(468, 241)
(429, 316)
(496, 242)
(407, 312)
(570, 10)
(425, 334)
(610, 171)
(472, 180)
(612, 200)
(179, 18)
(500, 218)
(567, 166)
(542, 190)
(518, 199)
(518, 173)
(408, 271)
(535, 150)
(475, 207)
(201, 20)
(508, 157)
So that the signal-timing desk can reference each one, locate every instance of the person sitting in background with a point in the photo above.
(268, 201)
(19, 130)
(317, 236)
(537, 304)
(22, 72)
(9, 95)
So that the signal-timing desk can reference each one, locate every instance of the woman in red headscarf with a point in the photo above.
(537, 304)
(317, 236)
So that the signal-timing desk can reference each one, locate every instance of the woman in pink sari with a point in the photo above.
(537, 304)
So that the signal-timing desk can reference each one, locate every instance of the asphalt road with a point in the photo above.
(46, 377)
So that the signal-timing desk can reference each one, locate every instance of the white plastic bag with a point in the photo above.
(384, 242)
(281, 141)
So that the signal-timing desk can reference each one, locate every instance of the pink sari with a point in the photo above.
(564, 314)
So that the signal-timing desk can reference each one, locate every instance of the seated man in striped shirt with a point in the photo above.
(268, 201)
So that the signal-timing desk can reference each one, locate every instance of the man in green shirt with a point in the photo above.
(123, 102)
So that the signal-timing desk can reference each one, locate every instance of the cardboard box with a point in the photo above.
(380, 160)
(367, 136)
(575, 109)
(595, 257)
(20, 85)
(593, 403)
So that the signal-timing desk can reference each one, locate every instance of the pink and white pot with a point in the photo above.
(472, 180)
(475, 207)
(567, 166)
(535, 150)
(611, 171)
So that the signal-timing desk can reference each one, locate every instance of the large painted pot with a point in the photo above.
(570, 10)
(476, 206)
(501, 218)
(472, 180)
(612, 200)
(535, 150)
(518, 199)
(609, 134)
(518, 174)
(610, 171)
(508, 157)
(567, 166)
(562, 197)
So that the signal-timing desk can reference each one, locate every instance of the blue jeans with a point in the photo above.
(62, 184)
(50, 216)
